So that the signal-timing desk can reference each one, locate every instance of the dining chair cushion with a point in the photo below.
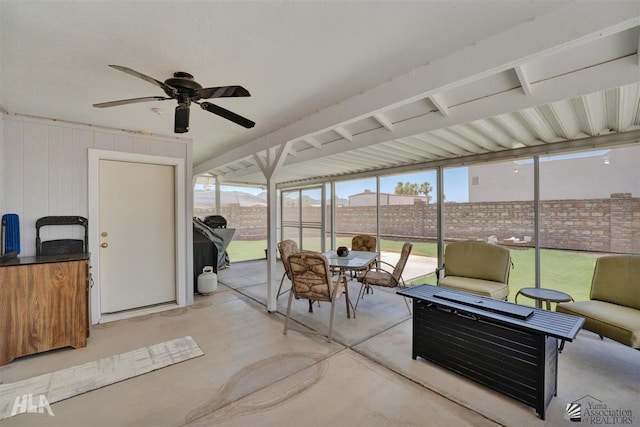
(378, 278)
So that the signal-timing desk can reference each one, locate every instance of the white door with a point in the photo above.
(137, 235)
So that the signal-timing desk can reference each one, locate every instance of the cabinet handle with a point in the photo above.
(104, 245)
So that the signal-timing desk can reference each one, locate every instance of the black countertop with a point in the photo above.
(44, 259)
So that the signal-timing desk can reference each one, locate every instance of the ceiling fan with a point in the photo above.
(183, 88)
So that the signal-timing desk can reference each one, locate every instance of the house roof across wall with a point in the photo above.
(337, 87)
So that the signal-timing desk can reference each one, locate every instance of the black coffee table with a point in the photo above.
(508, 347)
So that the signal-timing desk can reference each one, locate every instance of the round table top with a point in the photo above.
(545, 294)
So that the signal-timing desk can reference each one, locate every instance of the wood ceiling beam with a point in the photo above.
(524, 80)
(384, 121)
(343, 133)
(439, 103)
(313, 142)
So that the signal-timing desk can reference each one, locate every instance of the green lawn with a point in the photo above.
(565, 271)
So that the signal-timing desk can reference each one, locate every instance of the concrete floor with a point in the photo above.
(253, 375)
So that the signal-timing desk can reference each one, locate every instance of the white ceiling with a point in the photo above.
(338, 87)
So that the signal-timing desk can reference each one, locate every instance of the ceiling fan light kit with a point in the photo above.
(183, 88)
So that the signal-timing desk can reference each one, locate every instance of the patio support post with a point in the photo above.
(218, 207)
(323, 218)
(378, 212)
(333, 215)
(440, 214)
(536, 216)
(269, 162)
(272, 238)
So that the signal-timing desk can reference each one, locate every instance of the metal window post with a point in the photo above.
(440, 214)
(536, 216)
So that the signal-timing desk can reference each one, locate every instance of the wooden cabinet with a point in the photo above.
(44, 304)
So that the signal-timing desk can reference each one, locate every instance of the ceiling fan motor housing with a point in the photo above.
(185, 84)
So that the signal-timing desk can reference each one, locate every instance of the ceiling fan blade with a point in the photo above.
(229, 115)
(222, 92)
(129, 101)
(168, 89)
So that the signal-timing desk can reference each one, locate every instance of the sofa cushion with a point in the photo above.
(615, 280)
(487, 288)
(478, 260)
(614, 321)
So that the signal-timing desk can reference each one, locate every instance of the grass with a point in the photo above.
(565, 271)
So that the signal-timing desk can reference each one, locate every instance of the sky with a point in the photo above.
(456, 184)
(456, 188)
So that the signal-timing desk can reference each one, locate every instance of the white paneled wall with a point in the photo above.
(44, 170)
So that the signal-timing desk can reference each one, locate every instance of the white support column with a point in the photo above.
(440, 213)
(218, 199)
(536, 216)
(378, 240)
(269, 165)
(333, 215)
(272, 238)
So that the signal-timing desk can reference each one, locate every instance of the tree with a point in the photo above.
(413, 189)
(426, 188)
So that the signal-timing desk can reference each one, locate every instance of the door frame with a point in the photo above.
(94, 221)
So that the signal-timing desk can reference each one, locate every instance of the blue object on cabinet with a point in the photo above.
(11, 233)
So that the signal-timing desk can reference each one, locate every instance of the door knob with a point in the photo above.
(104, 245)
(104, 234)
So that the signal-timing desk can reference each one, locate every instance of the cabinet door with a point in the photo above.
(42, 307)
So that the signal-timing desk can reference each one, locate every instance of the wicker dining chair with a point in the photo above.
(364, 242)
(311, 280)
(379, 276)
(286, 248)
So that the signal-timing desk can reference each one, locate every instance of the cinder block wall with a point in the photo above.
(601, 225)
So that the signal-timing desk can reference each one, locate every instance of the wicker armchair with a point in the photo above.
(311, 280)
